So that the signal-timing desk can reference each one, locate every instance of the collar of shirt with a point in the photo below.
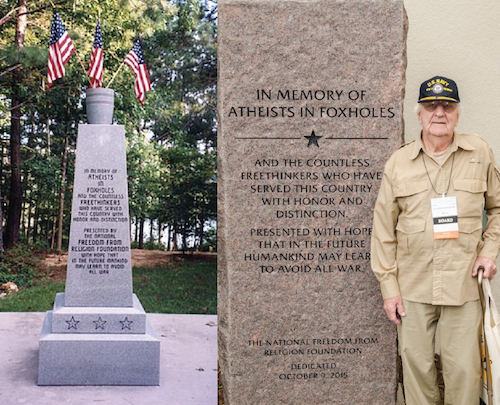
(458, 142)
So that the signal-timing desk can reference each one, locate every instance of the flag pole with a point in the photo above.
(83, 67)
(113, 78)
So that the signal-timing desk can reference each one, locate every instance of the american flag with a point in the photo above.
(135, 60)
(96, 60)
(60, 50)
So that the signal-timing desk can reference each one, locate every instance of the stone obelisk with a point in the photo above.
(98, 332)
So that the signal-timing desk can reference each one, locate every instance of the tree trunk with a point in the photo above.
(160, 232)
(184, 240)
(1, 199)
(30, 216)
(36, 223)
(47, 231)
(201, 234)
(174, 238)
(136, 231)
(151, 230)
(1, 214)
(61, 197)
(169, 245)
(22, 225)
(53, 234)
(48, 136)
(141, 233)
(14, 214)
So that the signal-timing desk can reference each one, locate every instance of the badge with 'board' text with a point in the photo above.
(445, 216)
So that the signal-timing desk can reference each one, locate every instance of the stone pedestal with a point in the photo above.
(98, 333)
(310, 108)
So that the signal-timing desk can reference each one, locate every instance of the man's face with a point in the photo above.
(438, 118)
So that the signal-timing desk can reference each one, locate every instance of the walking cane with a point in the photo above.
(487, 356)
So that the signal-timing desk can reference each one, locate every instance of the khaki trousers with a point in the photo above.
(460, 328)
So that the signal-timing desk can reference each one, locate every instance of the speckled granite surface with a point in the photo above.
(310, 108)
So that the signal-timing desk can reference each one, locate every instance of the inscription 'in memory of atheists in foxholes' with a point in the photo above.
(101, 214)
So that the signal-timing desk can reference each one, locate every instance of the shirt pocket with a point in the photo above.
(411, 197)
(410, 235)
(470, 230)
(470, 197)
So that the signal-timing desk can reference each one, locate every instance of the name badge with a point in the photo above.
(445, 216)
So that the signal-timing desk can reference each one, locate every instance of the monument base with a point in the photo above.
(98, 359)
(130, 320)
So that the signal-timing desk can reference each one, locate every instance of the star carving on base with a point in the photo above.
(99, 324)
(72, 323)
(313, 139)
(126, 323)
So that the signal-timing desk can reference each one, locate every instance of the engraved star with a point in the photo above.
(72, 323)
(126, 323)
(99, 324)
(313, 139)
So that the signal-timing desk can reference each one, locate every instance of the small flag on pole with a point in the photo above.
(60, 50)
(96, 60)
(135, 60)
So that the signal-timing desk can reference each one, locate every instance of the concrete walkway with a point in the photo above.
(188, 371)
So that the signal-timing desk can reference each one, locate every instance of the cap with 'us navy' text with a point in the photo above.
(439, 88)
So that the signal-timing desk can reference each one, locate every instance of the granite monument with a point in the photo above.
(98, 332)
(310, 98)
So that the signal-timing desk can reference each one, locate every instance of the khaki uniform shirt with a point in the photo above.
(404, 255)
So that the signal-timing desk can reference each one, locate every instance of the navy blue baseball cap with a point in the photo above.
(439, 88)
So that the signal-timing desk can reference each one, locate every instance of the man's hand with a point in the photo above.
(489, 266)
(394, 309)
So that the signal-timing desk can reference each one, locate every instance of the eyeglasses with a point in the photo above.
(448, 106)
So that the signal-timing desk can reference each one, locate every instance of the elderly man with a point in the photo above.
(428, 243)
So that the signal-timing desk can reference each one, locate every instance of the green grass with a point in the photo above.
(187, 288)
(181, 288)
(32, 299)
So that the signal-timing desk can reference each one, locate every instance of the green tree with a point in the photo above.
(39, 125)
(144, 173)
(184, 70)
(189, 190)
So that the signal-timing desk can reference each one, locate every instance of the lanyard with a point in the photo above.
(449, 180)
